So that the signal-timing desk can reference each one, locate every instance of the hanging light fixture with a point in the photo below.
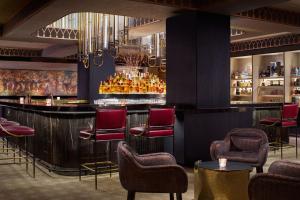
(94, 37)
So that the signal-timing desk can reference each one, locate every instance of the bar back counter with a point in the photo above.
(57, 129)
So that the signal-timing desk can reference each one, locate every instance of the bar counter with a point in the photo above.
(57, 128)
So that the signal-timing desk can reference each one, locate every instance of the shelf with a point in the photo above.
(295, 76)
(241, 87)
(277, 77)
(272, 86)
(295, 86)
(241, 79)
(296, 95)
(242, 95)
(273, 96)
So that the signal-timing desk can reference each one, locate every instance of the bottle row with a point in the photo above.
(265, 78)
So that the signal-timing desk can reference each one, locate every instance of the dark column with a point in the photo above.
(89, 79)
(98, 74)
(83, 82)
(198, 75)
(198, 60)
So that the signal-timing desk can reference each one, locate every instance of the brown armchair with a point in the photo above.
(282, 182)
(150, 173)
(248, 145)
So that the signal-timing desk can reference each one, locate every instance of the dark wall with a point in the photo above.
(198, 60)
(83, 82)
(89, 79)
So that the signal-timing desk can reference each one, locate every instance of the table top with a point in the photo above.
(231, 166)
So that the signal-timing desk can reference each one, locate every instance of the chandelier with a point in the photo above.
(98, 33)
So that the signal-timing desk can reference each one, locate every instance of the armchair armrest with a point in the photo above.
(217, 148)
(285, 168)
(155, 159)
(271, 186)
(263, 154)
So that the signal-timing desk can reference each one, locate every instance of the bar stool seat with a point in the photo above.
(142, 131)
(87, 133)
(18, 131)
(278, 122)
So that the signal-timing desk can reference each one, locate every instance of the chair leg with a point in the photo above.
(259, 170)
(178, 196)
(171, 196)
(96, 166)
(79, 158)
(296, 142)
(109, 158)
(281, 145)
(33, 156)
(26, 152)
(19, 143)
(130, 195)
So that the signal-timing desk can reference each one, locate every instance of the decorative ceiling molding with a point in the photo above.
(57, 33)
(273, 15)
(279, 41)
(20, 52)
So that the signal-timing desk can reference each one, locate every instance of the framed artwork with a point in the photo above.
(37, 83)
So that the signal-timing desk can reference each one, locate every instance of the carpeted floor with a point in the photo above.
(16, 184)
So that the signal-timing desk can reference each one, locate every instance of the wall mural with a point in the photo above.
(37, 83)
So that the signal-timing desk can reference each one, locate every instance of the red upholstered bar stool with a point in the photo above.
(110, 125)
(16, 131)
(288, 119)
(160, 124)
(6, 123)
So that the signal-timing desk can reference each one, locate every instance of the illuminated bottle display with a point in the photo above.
(133, 83)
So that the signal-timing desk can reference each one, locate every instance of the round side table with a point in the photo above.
(214, 183)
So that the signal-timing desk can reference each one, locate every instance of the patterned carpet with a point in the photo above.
(15, 184)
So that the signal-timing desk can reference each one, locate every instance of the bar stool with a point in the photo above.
(288, 119)
(110, 125)
(16, 131)
(160, 124)
(6, 123)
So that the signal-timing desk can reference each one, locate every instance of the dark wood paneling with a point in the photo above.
(201, 129)
(213, 60)
(198, 60)
(181, 60)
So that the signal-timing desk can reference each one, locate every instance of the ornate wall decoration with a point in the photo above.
(272, 15)
(37, 82)
(57, 33)
(284, 40)
(20, 52)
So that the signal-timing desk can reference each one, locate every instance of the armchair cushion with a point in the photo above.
(245, 143)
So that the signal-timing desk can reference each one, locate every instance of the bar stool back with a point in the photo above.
(288, 119)
(160, 124)
(110, 125)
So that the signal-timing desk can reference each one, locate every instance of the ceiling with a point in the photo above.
(21, 18)
(10, 8)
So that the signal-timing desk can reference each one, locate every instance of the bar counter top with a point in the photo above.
(72, 107)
